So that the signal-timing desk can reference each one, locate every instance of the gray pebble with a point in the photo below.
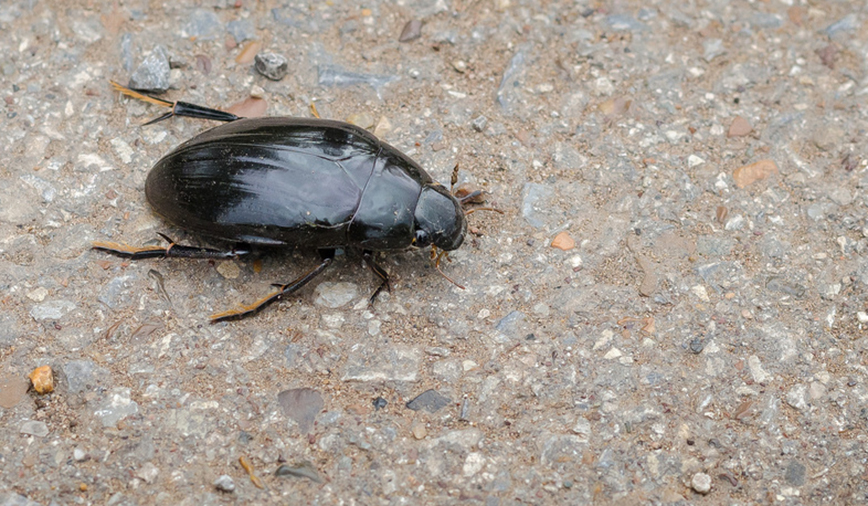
(535, 203)
(153, 74)
(303, 470)
(116, 406)
(271, 65)
(335, 294)
(51, 310)
(203, 25)
(241, 30)
(224, 483)
(79, 455)
(34, 428)
(712, 48)
(301, 405)
(701, 483)
(430, 400)
(795, 473)
(333, 75)
(479, 123)
(623, 22)
(848, 23)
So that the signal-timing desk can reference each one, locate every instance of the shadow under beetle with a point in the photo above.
(295, 182)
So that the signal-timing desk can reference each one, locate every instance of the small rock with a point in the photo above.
(38, 294)
(380, 403)
(430, 400)
(412, 31)
(248, 52)
(841, 196)
(701, 483)
(203, 24)
(241, 30)
(384, 126)
(363, 119)
(79, 455)
(712, 48)
(12, 390)
(51, 310)
(301, 405)
(250, 107)
(335, 294)
(479, 123)
(224, 483)
(693, 161)
(115, 407)
(419, 431)
(613, 353)
(796, 397)
(756, 370)
(229, 269)
(795, 473)
(42, 379)
(563, 241)
(459, 66)
(148, 472)
(153, 74)
(271, 65)
(757, 171)
(301, 470)
(34, 428)
(739, 127)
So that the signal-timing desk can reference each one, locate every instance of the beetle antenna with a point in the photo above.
(471, 211)
(178, 108)
(437, 256)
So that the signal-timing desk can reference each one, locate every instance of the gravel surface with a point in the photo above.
(671, 309)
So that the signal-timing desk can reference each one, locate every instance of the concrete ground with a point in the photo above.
(671, 309)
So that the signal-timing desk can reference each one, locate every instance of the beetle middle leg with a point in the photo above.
(172, 250)
(379, 271)
(283, 289)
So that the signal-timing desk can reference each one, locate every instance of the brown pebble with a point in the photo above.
(721, 213)
(412, 31)
(828, 55)
(248, 52)
(250, 107)
(563, 241)
(739, 127)
(12, 390)
(419, 431)
(757, 171)
(42, 379)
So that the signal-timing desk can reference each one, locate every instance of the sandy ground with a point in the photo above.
(671, 309)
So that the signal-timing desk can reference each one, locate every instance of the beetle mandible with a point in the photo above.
(290, 182)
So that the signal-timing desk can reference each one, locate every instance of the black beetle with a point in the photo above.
(295, 182)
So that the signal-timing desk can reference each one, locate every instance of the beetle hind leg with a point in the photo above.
(172, 250)
(380, 272)
(282, 290)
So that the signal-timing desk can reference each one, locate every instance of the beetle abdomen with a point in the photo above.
(274, 181)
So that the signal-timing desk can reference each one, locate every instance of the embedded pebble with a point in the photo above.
(430, 401)
(224, 483)
(749, 174)
(34, 428)
(335, 294)
(701, 483)
(153, 74)
(412, 31)
(52, 310)
(563, 241)
(271, 65)
(229, 269)
(739, 127)
(301, 405)
(12, 389)
(42, 379)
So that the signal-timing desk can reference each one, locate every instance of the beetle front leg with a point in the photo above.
(172, 250)
(379, 271)
(283, 289)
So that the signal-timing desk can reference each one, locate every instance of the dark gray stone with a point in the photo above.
(430, 400)
(271, 65)
(153, 74)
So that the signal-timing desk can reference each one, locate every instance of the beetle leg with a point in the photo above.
(172, 250)
(178, 108)
(379, 271)
(259, 305)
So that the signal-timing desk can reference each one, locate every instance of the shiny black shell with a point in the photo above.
(291, 182)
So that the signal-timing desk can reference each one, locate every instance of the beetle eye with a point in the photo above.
(422, 239)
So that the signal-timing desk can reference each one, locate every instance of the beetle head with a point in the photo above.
(439, 219)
